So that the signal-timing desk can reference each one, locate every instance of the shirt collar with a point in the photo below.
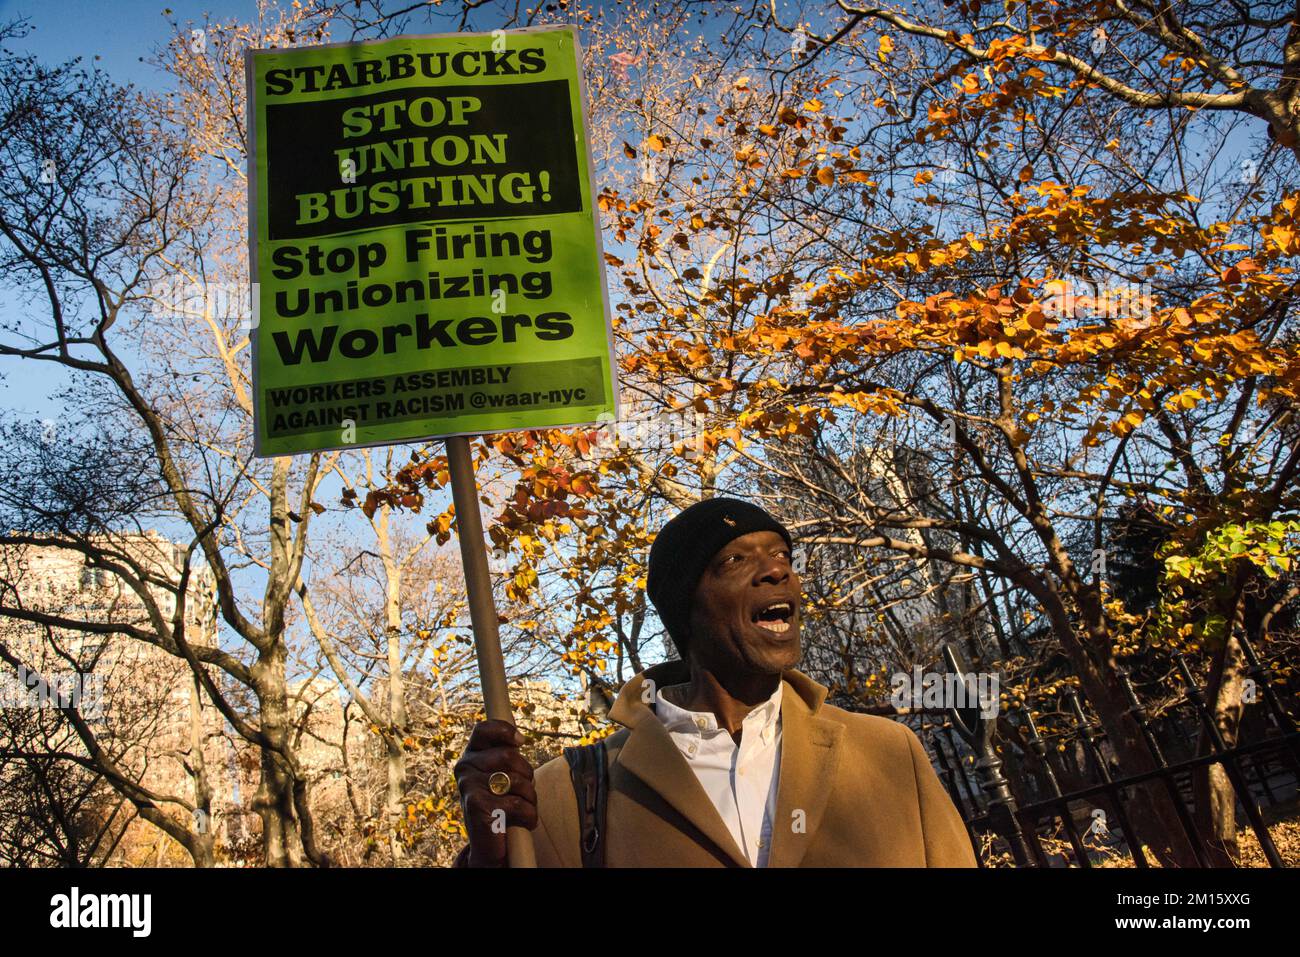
(679, 719)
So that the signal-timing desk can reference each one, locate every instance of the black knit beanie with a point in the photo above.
(685, 546)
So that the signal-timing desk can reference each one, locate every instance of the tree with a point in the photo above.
(1044, 328)
(100, 207)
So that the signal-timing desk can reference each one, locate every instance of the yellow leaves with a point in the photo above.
(1035, 318)
(1026, 174)
(767, 129)
(742, 83)
(699, 355)
(440, 527)
(1001, 348)
(521, 584)
(923, 177)
(792, 118)
(879, 403)
(606, 201)
(1283, 238)
(958, 356)
(937, 114)
(655, 142)
(884, 47)
(970, 83)
(826, 176)
(1127, 424)
(859, 176)
(813, 105)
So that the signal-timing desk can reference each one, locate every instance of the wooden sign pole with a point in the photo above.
(483, 615)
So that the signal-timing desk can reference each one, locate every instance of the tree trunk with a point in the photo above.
(396, 752)
(1216, 799)
(202, 849)
(273, 802)
(1152, 812)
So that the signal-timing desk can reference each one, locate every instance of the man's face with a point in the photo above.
(745, 613)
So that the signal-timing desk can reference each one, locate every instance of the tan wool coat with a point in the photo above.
(854, 791)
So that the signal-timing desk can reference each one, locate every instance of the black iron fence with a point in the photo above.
(1039, 824)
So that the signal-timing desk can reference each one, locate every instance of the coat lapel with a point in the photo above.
(809, 757)
(810, 754)
(651, 755)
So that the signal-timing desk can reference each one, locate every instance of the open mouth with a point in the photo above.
(775, 617)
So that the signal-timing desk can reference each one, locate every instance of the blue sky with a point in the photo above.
(119, 32)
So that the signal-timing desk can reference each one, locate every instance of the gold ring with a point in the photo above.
(499, 782)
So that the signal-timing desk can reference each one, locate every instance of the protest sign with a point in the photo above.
(426, 255)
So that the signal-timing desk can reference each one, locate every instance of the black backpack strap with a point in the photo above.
(590, 774)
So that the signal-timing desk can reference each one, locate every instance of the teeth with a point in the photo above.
(781, 606)
(776, 626)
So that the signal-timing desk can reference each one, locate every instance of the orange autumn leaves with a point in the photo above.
(1137, 354)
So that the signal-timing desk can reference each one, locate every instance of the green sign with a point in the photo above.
(426, 255)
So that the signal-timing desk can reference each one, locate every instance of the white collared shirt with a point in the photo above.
(741, 781)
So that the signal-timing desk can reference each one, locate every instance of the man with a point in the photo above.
(728, 758)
